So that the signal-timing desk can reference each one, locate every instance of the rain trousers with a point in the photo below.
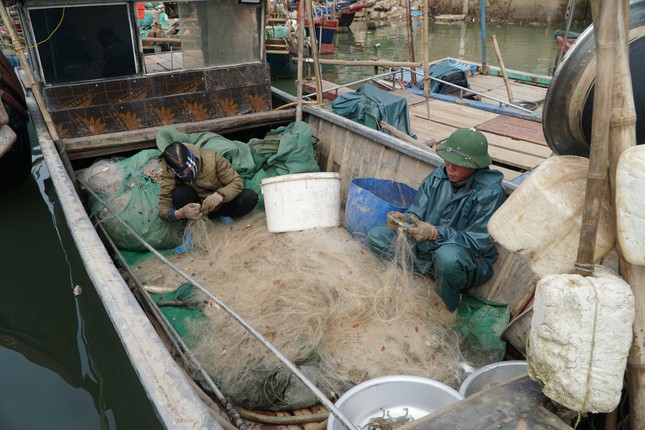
(463, 254)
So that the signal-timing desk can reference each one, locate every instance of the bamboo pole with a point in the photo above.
(301, 47)
(503, 68)
(623, 136)
(401, 135)
(379, 63)
(426, 59)
(314, 49)
(33, 85)
(605, 35)
(410, 39)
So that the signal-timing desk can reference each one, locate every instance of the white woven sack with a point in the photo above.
(579, 340)
(560, 255)
(630, 204)
(542, 218)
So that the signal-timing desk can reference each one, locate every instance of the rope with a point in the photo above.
(193, 367)
(584, 267)
(323, 399)
(591, 355)
(283, 421)
(62, 17)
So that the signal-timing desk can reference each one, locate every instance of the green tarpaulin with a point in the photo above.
(369, 106)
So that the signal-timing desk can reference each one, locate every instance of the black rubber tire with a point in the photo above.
(567, 113)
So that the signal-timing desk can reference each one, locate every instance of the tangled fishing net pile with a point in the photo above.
(321, 298)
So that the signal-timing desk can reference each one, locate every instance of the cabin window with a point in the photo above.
(212, 33)
(79, 43)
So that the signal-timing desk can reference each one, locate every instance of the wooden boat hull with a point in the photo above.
(15, 145)
(171, 392)
(345, 20)
(15, 152)
(282, 66)
(346, 147)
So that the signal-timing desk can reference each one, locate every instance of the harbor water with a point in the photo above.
(524, 48)
(62, 365)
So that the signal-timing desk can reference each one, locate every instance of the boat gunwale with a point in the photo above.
(376, 136)
(171, 395)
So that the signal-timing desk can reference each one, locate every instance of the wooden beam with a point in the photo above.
(517, 404)
(103, 143)
(372, 63)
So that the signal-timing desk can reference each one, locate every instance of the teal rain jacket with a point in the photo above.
(460, 218)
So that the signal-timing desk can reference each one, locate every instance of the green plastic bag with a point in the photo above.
(481, 322)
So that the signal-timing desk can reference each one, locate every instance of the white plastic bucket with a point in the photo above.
(302, 201)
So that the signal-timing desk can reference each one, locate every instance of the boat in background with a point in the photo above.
(324, 31)
(280, 48)
(346, 12)
(571, 38)
(15, 146)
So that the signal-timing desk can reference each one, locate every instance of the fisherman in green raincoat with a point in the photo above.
(449, 218)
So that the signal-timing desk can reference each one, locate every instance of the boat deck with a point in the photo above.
(517, 145)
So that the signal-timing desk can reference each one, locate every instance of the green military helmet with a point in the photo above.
(465, 147)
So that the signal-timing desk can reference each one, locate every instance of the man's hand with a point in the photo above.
(212, 201)
(422, 230)
(396, 220)
(191, 211)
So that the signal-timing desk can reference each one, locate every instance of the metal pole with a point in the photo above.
(568, 18)
(353, 83)
(500, 101)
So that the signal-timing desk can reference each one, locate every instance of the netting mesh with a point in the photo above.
(128, 188)
(322, 298)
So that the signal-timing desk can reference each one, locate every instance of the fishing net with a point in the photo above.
(321, 298)
(127, 188)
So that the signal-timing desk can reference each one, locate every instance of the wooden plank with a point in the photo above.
(430, 129)
(118, 140)
(529, 92)
(514, 158)
(452, 114)
(409, 96)
(519, 146)
(513, 282)
(500, 93)
(509, 174)
(309, 86)
(516, 128)
(514, 405)
(483, 83)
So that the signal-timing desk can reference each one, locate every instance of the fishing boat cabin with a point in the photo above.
(96, 78)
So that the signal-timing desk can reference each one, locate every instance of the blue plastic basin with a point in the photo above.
(370, 199)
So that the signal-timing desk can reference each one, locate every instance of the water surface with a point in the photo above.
(524, 48)
(62, 365)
